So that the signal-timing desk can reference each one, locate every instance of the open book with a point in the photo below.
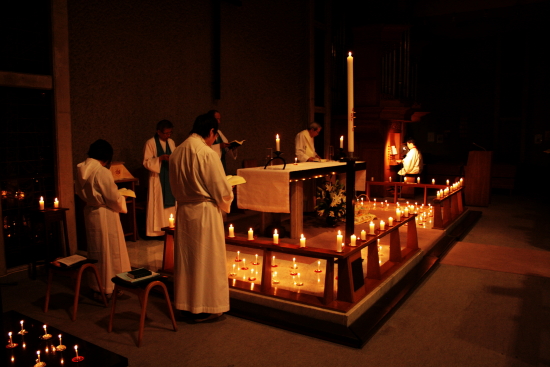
(235, 180)
(69, 260)
(124, 276)
(235, 144)
(127, 192)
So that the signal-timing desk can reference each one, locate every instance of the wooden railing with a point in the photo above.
(447, 209)
(406, 184)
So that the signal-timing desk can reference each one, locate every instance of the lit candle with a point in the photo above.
(433, 181)
(38, 355)
(390, 178)
(371, 227)
(398, 214)
(231, 231)
(406, 212)
(277, 144)
(339, 247)
(56, 203)
(351, 148)
(302, 241)
(390, 221)
(339, 238)
(363, 235)
(342, 142)
(45, 330)
(11, 341)
(353, 240)
(256, 262)
(22, 329)
(275, 279)
(250, 234)
(244, 265)
(275, 237)
(295, 160)
(171, 220)
(382, 225)
(41, 203)
(418, 179)
(439, 194)
(294, 266)
(447, 182)
(375, 202)
(273, 262)
(318, 266)
(237, 258)
(76, 350)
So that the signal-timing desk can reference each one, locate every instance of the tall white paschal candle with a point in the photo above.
(351, 139)
(277, 144)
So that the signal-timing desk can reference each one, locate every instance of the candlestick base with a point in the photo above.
(40, 364)
(277, 156)
(255, 263)
(23, 332)
(293, 273)
(274, 265)
(77, 359)
(276, 281)
(238, 260)
(61, 347)
(244, 268)
(318, 271)
(11, 345)
(46, 336)
(252, 279)
(299, 284)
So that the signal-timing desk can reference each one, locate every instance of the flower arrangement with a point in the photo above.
(331, 201)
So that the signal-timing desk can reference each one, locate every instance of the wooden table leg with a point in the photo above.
(373, 262)
(296, 208)
(395, 247)
(412, 235)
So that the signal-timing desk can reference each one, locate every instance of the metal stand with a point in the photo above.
(278, 156)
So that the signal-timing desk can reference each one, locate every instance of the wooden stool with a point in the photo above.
(74, 271)
(141, 289)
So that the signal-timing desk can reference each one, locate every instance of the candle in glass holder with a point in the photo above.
(302, 241)
(277, 144)
(77, 358)
(339, 238)
(56, 203)
(231, 231)
(250, 234)
(363, 235)
(390, 221)
(275, 237)
(353, 240)
(41, 203)
(171, 220)
(382, 225)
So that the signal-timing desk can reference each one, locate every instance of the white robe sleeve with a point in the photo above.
(215, 181)
(301, 147)
(150, 159)
(109, 191)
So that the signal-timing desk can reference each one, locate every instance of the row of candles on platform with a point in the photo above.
(275, 279)
(41, 203)
(448, 190)
(46, 336)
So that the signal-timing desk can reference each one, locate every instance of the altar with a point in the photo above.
(280, 189)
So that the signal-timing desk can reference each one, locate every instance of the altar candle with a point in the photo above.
(339, 247)
(171, 220)
(56, 203)
(342, 142)
(382, 225)
(351, 140)
(418, 179)
(398, 214)
(353, 240)
(339, 238)
(275, 237)
(447, 182)
(390, 221)
(371, 227)
(277, 144)
(433, 181)
(363, 235)
(439, 195)
(231, 231)
(250, 234)
(406, 211)
(41, 203)
(302, 241)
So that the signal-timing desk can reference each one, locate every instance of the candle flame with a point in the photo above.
(42, 198)
(171, 216)
(275, 232)
(349, 54)
(277, 136)
(339, 233)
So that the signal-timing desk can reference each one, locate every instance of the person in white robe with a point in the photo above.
(305, 148)
(221, 144)
(160, 201)
(106, 243)
(412, 163)
(202, 192)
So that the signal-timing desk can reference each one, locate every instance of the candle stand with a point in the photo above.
(277, 156)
